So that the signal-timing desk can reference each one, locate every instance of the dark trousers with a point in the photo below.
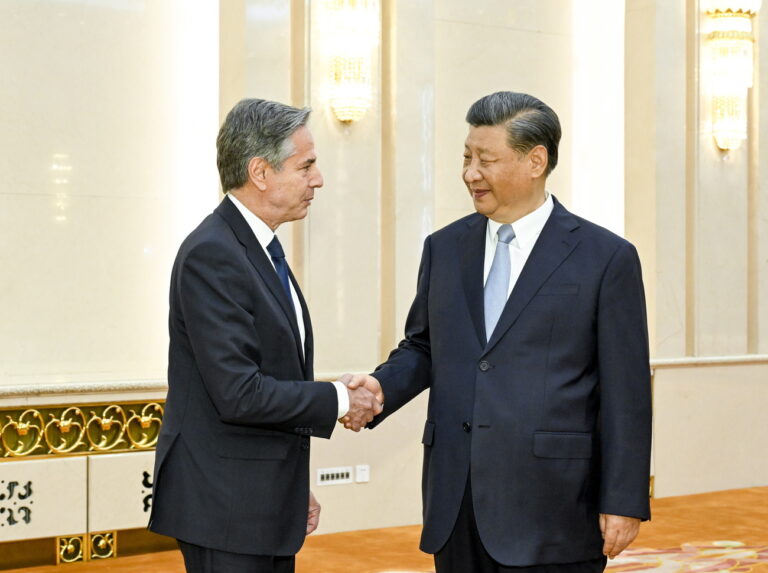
(204, 560)
(464, 552)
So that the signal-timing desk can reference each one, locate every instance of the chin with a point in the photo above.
(482, 209)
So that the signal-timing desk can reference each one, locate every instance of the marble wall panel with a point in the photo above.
(709, 427)
(108, 162)
(342, 260)
(473, 59)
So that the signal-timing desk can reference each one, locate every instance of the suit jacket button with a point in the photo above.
(484, 366)
(467, 427)
(305, 445)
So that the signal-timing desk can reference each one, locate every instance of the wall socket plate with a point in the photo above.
(362, 473)
(334, 476)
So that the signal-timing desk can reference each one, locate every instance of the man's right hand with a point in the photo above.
(363, 406)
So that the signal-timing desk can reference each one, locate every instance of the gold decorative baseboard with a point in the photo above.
(45, 551)
(81, 429)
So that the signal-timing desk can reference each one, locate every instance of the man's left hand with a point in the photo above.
(313, 516)
(618, 532)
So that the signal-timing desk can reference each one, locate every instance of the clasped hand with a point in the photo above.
(366, 400)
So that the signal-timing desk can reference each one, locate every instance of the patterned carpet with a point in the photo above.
(714, 557)
(733, 556)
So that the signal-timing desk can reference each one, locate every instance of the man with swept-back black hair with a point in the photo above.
(528, 122)
(529, 329)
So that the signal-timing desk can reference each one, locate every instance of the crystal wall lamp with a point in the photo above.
(351, 29)
(730, 43)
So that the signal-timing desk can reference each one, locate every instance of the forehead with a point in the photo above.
(303, 143)
(487, 138)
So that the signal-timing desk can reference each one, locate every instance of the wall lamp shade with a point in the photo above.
(351, 35)
(730, 42)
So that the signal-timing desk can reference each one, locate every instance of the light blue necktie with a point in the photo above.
(497, 284)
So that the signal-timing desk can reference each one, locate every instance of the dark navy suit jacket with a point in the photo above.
(232, 463)
(551, 417)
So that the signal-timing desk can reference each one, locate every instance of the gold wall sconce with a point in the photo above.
(730, 42)
(351, 30)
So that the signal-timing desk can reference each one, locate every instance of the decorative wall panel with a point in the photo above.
(120, 490)
(43, 498)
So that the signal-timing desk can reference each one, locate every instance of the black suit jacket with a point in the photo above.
(551, 417)
(232, 462)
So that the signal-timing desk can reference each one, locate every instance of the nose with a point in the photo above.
(471, 173)
(317, 180)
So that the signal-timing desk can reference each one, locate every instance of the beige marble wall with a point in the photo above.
(379, 210)
(710, 429)
(697, 216)
(494, 45)
(109, 114)
(758, 207)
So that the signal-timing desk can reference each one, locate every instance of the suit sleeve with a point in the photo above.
(625, 388)
(213, 295)
(407, 371)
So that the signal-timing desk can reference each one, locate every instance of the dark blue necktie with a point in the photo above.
(275, 250)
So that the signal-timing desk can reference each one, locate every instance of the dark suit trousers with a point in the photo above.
(464, 551)
(204, 560)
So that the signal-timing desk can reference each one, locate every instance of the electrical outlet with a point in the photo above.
(363, 473)
(334, 476)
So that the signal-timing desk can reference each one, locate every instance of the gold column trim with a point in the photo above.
(106, 428)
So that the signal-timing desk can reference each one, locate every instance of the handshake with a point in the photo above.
(366, 400)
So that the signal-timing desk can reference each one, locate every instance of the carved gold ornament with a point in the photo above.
(103, 545)
(105, 431)
(70, 549)
(64, 433)
(143, 429)
(107, 428)
(22, 434)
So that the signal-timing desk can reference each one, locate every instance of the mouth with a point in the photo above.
(478, 193)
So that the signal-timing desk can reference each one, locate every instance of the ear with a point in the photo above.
(539, 159)
(257, 172)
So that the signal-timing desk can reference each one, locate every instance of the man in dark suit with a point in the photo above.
(529, 329)
(232, 465)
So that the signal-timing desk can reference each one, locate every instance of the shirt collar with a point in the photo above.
(527, 229)
(262, 231)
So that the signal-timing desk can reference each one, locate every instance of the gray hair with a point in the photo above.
(255, 128)
(529, 121)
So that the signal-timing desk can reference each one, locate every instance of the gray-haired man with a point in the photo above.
(232, 468)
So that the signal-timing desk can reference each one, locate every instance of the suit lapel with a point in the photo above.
(262, 264)
(553, 246)
(472, 252)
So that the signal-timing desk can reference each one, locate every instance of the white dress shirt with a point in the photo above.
(527, 230)
(265, 235)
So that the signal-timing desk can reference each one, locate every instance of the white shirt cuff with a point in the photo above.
(341, 392)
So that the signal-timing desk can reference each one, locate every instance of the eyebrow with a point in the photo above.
(308, 162)
(480, 150)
